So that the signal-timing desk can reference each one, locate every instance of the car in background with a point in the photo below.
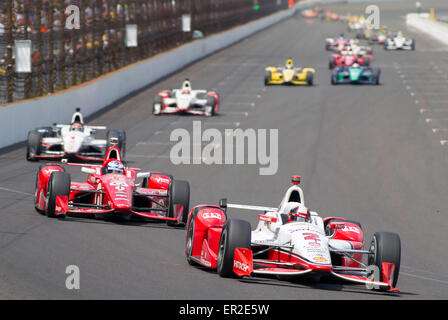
(74, 141)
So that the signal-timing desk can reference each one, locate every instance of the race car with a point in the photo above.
(110, 190)
(186, 100)
(74, 141)
(289, 74)
(336, 44)
(379, 37)
(399, 42)
(290, 241)
(356, 74)
(348, 58)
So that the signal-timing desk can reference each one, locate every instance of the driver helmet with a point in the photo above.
(289, 64)
(76, 127)
(115, 167)
(299, 213)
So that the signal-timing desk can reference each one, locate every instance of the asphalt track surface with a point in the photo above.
(367, 153)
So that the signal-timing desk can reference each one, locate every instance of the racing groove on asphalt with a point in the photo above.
(365, 153)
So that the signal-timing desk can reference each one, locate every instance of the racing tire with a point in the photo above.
(179, 193)
(309, 78)
(58, 185)
(376, 76)
(33, 146)
(211, 103)
(413, 45)
(157, 105)
(35, 189)
(235, 234)
(331, 63)
(190, 238)
(121, 136)
(385, 247)
(267, 78)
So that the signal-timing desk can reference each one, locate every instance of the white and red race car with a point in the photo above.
(186, 100)
(74, 141)
(290, 241)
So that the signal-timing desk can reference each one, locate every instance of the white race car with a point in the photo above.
(72, 141)
(291, 241)
(399, 42)
(186, 100)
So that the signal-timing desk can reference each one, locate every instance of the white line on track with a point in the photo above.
(435, 130)
(424, 278)
(15, 191)
(434, 110)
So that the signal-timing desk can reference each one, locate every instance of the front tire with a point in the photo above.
(309, 78)
(33, 147)
(58, 185)
(235, 234)
(179, 194)
(386, 247)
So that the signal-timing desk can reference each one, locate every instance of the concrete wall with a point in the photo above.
(18, 118)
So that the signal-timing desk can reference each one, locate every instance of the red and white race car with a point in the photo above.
(290, 241)
(186, 100)
(111, 190)
(348, 58)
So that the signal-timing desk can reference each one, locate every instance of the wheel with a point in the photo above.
(157, 105)
(309, 78)
(331, 63)
(267, 78)
(210, 106)
(413, 44)
(190, 238)
(33, 146)
(235, 234)
(120, 136)
(179, 193)
(376, 76)
(385, 247)
(35, 189)
(58, 185)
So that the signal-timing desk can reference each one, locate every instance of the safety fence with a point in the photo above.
(73, 41)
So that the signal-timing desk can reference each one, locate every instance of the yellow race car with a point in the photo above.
(289, 75)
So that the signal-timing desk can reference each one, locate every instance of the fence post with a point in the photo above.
(10, 45)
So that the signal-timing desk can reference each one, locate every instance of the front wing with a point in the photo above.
(245, 265)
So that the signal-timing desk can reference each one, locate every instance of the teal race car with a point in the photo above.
(356, 74)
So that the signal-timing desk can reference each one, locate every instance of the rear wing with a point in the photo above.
(223, 204)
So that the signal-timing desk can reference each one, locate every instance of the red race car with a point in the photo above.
(111, 190)
(346, 59)
(290, 241)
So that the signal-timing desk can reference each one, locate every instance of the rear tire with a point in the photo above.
(58, 185)
(179, 193)
(235, 234)
(386, 247)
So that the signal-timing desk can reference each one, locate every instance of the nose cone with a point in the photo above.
(73, 142)
(119, 191)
